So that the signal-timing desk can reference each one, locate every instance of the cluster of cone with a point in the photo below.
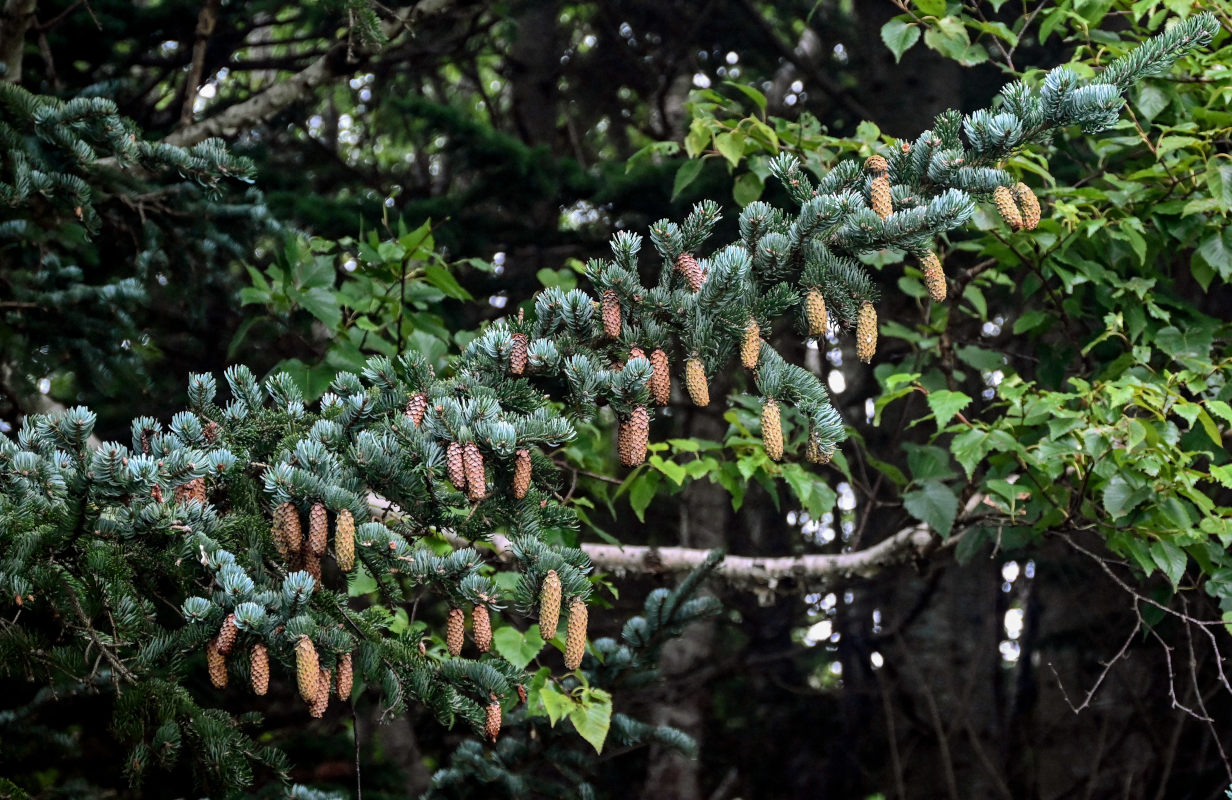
(305, 552)
(549, 619)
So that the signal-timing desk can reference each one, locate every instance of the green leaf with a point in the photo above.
(899, 36)
(516, 647)
(1170, 559)
(935, 504)
(687, 173)
(945, 404)
(928, 462)
(1120, 497)
(323, 304)
(557, 704)
(730, 146)
(593, 716)
(757, 97)
(933, 7)
(642, 492)
(747, 188)
(969, 449)
(447, 283)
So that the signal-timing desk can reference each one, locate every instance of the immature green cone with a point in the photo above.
(687, 265)
(481, 628)
(772, 429)
(866, 332)
(472, 464)
(321, 702)
(344, 540)
(518, 354)
(549, 606)
(695, 382)
(660, 383)
(225, 640)
(611, 314)
(416, 407)
(454, 466)
(879, 193)
(318, 529)
(934, 276)
(750, 346)
(521, 474)
(877, 165)
(346, 676)
(575, 634)
(217, 664)
(815, 312)
(1029, 204)
(455, 631)
(307, 669)
(1003, 198)
(492, 721)
(633, 436)
(258, 672)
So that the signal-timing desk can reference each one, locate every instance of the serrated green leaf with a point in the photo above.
(1170, 559)
(933, 504)
(592, 717)
(516, 647)
(945, 404)
(899, 36)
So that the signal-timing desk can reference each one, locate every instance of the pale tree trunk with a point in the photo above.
(15, 20)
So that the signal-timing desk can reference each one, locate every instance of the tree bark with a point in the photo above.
(15, 20)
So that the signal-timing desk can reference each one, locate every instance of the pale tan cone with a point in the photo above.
(575, 634)
(521, 474)
(772, 429)
(549, 605)
(307, 669)
(481, 628)
(455, 467)
(815, 312)
(492, 721)
(1029, 204)
(455, 631)
(879, 192)
(344, 540)
(318, 529)
(217, 664)
(258, 660)
(321, 702)
(346, 676)
(695, 382)
(750, 346)
(934, 277)
(1003, 198)
(660, 383)
(866, 333)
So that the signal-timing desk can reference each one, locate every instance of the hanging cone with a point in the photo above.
(521, 474)
(879, 193)
(492, 721)
(416, 407)
(518, 354)
(695, 382)
(258, 672)
(772, 429)
(344, 540)
(225, 640)
(307, 669)
(815, 312)
(1003, 198)
(934, 276)
(866, 332)
(1029, 204)
(321, 702)
(455, 631)
(472, 463)
(687, 265)
(750, 346)
(633, 436)
(217, 664)
(575, 634)
(454, 466)
(549, 606)
(287, 534)
(660, 382)
(346, 676)
(481, 628)
(611, 314)
(876, 165)
(311, 563)
(318, 529)
(816, 455)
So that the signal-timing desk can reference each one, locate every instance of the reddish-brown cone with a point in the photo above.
(321, 701)
(660, 383)
(346, 676)
(611, 314)
(217, 664)
(416, 407)
(318, 529)
(455, 467)
(481, 628)
(225, 640)
(518, 354)
(472, 463)
(687, 265)
(521, 474)
(492, 723)
(455, 631)
(633, 436)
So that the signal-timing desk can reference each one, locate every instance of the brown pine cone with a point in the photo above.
(481, 628)
(934, 276)
(1003, 198)
(416, 407)
(344, 540)
(575, 634)
(816, 455)
(611, 314)
(687, 265)
(321, 702)
(518, 354)
(258, 672)
(521, 474)
(815, 312)
(453, 464)
(492, 723)
(633, 436)
(866, 332)
(307, 669)
(455, 631)
(286, 530)
(772, 429)
(318, 529)
(879, 192)
(1029, 204)
(472, 463)
(549, 606)
(750, 347)
(660, 382)
(310, 562)
(876, 165)
(217, 664)
(346, 676)
(695, 382)
(225, 640)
